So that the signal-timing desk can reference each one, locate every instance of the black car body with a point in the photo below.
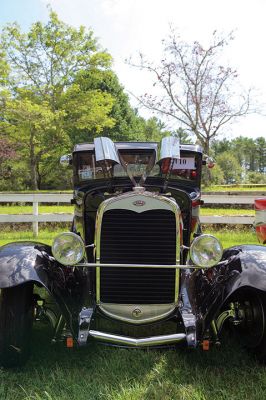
(136, 269)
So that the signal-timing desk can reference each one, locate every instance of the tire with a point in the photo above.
(252, 330)
(16, 318)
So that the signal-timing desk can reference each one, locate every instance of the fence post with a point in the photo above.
(35, 227)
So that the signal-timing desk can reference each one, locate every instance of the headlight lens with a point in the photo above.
(206, 251)
(68, 248)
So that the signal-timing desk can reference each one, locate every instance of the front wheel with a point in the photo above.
(16, 318)
(251, 324)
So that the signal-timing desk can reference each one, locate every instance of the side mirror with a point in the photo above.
(66, 160)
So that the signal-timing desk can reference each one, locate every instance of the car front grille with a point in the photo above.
(140, 238)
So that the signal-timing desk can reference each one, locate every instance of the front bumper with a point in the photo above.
(95, 325)
(132, 342)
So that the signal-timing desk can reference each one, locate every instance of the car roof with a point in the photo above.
(136, 146)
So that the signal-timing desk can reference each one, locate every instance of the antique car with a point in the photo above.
(135, 270)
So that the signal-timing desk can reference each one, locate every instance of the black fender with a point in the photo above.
(241, 267)
(23, 262)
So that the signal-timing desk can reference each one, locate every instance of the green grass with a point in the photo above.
(232, 237)
(21, 209)
(105, 373)
(228, 237)
(45, 236)
(236, 188)
(100, 373)
(226, 211)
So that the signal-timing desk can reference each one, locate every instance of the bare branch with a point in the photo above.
(197, 90)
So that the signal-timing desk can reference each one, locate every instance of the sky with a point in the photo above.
(127, 27)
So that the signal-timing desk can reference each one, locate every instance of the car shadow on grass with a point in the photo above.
(100, 372)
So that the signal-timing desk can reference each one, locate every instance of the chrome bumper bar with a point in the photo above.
(143, 342)
(106, 265)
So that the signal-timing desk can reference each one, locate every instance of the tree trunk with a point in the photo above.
(33, 163)
(33, 175)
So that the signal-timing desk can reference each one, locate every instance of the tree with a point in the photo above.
(183, 136)
(250, 153)
(230, 167)
(220, 146)
(261, 154)
(48, 57)
(128, 124)
(195, 89)
(44, 103)
(244, 149)
(37, 132)
(7, 156)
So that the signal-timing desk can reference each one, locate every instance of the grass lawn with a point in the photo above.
(235, 188)
(69, 209)
(226, 211)
(228, 237)
(105, 373)
(45, 236)
(18, 209)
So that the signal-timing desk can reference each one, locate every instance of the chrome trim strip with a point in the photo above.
(143, 342)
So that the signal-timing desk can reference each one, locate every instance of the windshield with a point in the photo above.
(136, 162)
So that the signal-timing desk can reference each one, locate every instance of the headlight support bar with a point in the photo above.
(163, 266)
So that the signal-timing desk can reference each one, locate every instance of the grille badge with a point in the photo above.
(136, 312)
(139, 203)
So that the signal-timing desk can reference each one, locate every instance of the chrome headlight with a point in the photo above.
(206, 251)
(68, 248)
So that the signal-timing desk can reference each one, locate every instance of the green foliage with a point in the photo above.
(255, 177)
(228, 163)
(86, 111)
(127, 124)
(45, 108)
(49, 56)
(121, 113)
(217, 175)
(37, 132)
(41, 104)
(250, 153)
(58, 90)
(184, 137)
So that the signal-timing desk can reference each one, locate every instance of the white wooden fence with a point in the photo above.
(231, 198)
(35, 217)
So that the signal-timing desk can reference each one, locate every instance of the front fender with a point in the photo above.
(243, 267)
(22, 262)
